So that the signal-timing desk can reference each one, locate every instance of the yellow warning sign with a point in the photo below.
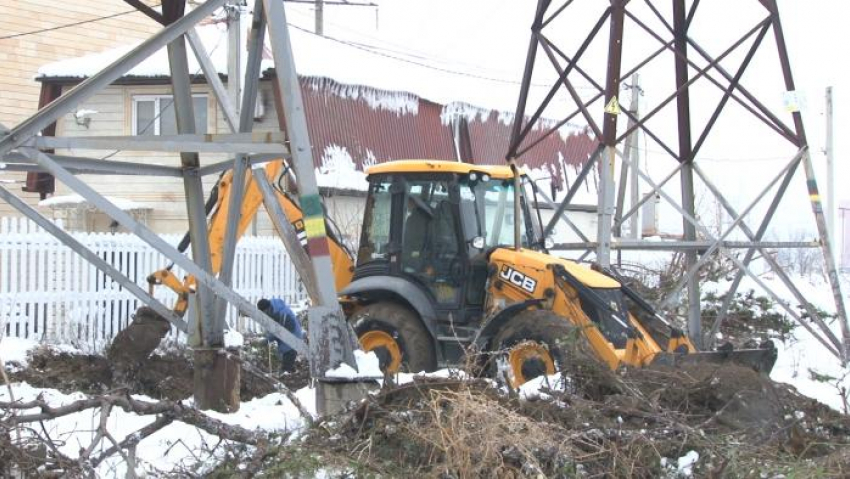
(613, 107)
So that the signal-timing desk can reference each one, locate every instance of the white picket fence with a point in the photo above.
(49, 293)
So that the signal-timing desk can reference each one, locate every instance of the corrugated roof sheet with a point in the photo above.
(373, 133)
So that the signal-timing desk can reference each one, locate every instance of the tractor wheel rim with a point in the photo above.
(374, 340)
(524, 354)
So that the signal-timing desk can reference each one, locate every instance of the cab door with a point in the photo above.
(431, 252)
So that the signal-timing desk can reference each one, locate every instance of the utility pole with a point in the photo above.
(634, 186)
(234, 53)
(830, 170)
(629, 153)
(320, 17)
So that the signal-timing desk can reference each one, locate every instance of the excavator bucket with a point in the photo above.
(760, 359)
(679, 349)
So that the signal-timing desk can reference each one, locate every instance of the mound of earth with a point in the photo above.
(729, 421)
(167, 375)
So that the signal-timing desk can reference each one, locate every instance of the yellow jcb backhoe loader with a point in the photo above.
(438, 270)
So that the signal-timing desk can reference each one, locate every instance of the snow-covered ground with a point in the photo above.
(176, 447)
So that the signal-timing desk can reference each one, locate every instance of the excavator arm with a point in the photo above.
(218, 207)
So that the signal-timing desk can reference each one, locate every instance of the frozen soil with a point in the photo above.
(164, 375)
(639, 423)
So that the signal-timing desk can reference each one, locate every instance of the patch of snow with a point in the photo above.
(73, 201)
(683, 467)
(176, 447)
(384, 81)
(273, 412)
(400, 103)
(339, 170)
(686, 463)
(233, 339)
(368, 367)
(539, 387)
(213, 36)
(16, 350)
(457, 109)
(448, 373)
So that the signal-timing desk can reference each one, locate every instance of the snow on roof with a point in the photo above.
(344, 61)
(76, 201)
(213, 36)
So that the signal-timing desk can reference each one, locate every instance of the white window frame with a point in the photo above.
(135, 99)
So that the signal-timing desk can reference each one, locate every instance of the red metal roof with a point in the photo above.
(371, 134)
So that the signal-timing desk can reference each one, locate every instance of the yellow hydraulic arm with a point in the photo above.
(343, 264)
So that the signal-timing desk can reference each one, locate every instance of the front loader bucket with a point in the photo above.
(759, 359)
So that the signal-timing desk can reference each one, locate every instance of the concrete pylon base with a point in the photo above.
(333, 397)
(217, 380)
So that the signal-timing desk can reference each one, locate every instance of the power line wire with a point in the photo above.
(74, 24)
(379, 51)
(393, 54)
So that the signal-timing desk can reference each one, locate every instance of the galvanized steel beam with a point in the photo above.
(328, 349)
(257, 142)
(241, 163)
(96, 166)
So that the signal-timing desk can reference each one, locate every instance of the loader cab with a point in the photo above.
(432, 223)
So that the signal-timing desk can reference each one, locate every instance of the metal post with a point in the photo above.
(332, 341)
(240, 163)
(605, 208)
(516, 138)
(212, 330)
(216, 378)
(234, 54)
(320, 17)
(609, 133)
(287, 233)
(830, 170)
(680, 27)
(634, 186)
(811, 181)
(629, 149)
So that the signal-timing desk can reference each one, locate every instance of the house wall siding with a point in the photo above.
(21, 56)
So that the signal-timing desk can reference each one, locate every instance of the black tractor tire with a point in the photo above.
(542, 327)
(404, 325)
(570, 350)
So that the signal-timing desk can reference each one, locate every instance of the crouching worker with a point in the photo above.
(279, 311)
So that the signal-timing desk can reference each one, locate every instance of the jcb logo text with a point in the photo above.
(518, 279)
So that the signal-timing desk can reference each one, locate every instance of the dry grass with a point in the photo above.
(472, 435)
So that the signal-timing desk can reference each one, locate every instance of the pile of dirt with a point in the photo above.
(633, 423)
(167, 375)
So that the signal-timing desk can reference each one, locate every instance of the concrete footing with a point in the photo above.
(217, 380)
(332, 397)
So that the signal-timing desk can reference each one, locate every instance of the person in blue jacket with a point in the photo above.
(278, 310)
